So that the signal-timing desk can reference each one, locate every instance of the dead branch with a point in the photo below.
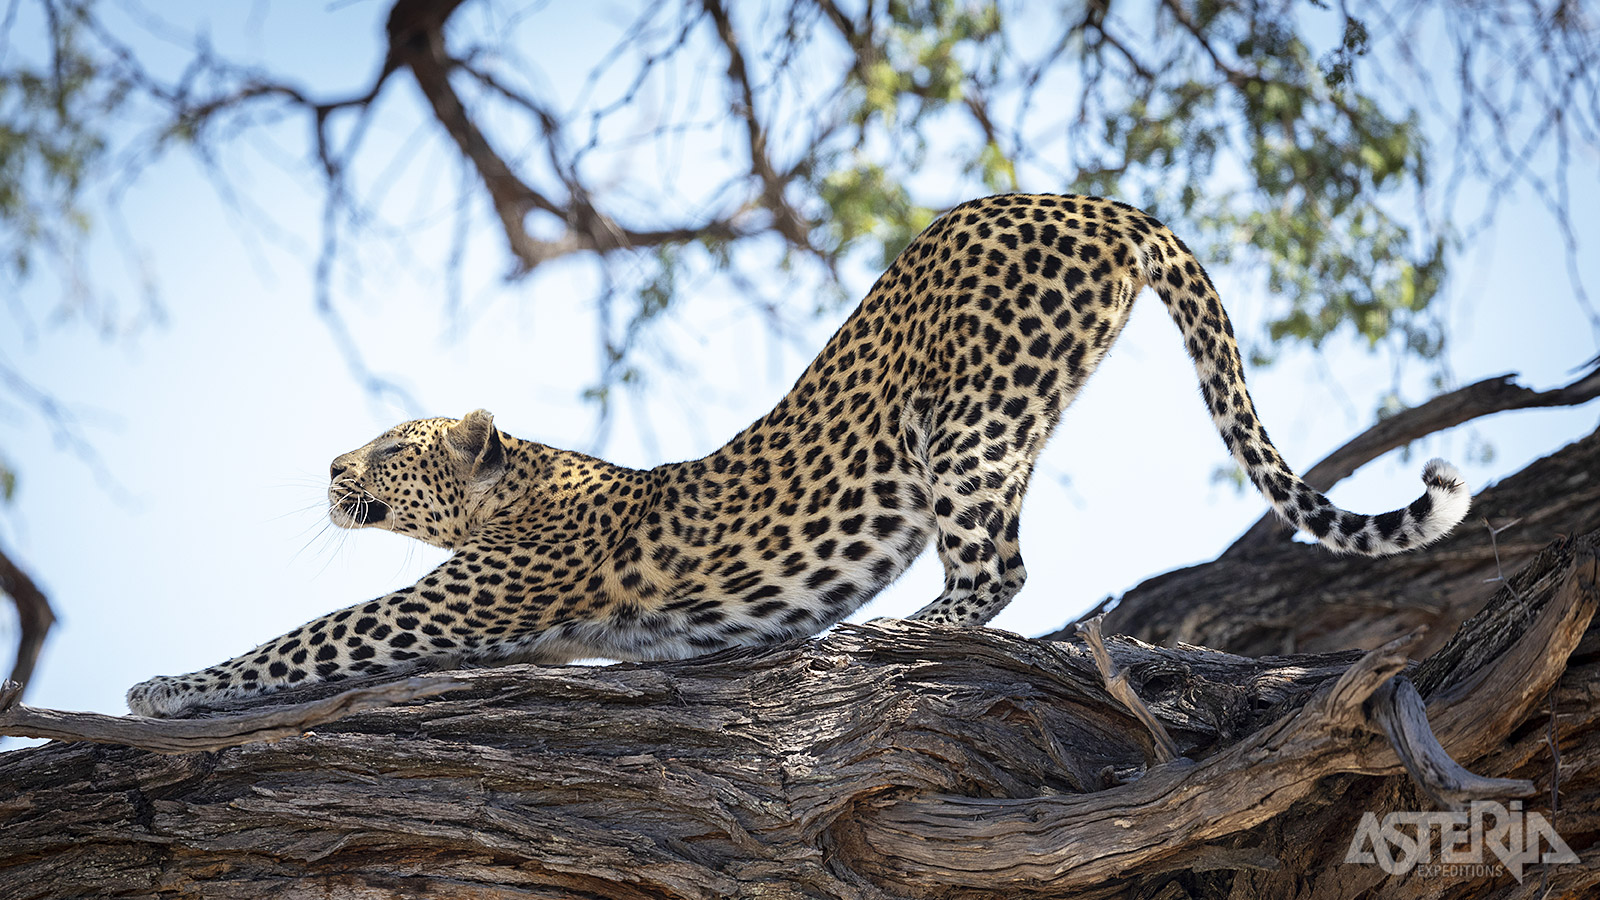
(34, 619)
(1399, 709)
(1474, 401)
(1288, 597)
(194, 735)
(1116, 682)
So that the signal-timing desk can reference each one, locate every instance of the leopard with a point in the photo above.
(919, 422)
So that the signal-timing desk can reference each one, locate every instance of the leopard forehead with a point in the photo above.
(400, 454)
(417, 432)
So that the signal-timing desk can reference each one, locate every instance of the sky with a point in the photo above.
(202, 532)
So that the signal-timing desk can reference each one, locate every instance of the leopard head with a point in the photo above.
(429, 479)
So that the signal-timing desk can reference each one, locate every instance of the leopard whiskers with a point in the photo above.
(338, 496)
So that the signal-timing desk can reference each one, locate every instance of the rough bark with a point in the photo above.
(905, 760)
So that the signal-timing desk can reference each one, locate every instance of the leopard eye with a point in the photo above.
(388, 450)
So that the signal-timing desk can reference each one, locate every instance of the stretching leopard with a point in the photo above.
(921, 419)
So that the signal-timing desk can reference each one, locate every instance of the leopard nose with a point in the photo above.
(338, 468)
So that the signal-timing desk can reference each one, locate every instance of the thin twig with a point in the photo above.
(1116, 682)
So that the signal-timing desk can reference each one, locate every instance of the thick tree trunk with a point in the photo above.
(906, 760)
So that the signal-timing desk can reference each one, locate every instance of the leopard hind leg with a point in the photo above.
(977, 480)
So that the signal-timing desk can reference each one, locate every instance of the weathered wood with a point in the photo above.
(193, 735)
(900, 760)
(1081, 842)
(1399, 709)
(889, 761)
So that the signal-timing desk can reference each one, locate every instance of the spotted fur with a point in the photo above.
(920, 420)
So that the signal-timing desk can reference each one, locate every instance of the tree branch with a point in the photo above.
(34, 619)
(416, 42)
(194, 735)
(1076, 843)
(1399, 710)
(904, 760)
(1483, 398)
(785, 219)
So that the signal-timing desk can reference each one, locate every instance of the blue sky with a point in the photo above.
(216, 428)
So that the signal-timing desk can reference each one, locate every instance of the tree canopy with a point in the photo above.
(1347, 153)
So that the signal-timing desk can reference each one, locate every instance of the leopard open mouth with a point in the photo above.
(367, 512)
(356, 510)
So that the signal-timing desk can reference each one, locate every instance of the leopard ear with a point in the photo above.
(475, 438)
